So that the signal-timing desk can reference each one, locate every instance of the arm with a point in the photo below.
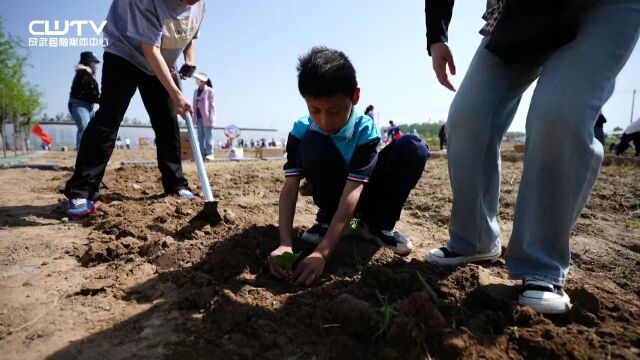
(312, 267)
(438, 17)
(189, 53)
(346, 209)
(287, 204)
(287, 210)
(161, 70)
(212, 106)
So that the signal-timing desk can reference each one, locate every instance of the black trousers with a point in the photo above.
(120, 79)
(623, 145)
(398, 169)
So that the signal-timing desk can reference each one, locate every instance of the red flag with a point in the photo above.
(43, 135)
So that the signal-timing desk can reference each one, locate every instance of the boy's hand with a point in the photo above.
(273, 265)
(442, 57)
(182, 105)
(310, 269)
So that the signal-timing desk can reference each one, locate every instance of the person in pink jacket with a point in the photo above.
(204, 108)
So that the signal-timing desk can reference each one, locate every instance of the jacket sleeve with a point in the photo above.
(438, 16)
(212, 105)
(293, 167)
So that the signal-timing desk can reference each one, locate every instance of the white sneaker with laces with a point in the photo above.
(544, 297)
(444, 256)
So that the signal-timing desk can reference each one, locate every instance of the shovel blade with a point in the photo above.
(209, 213)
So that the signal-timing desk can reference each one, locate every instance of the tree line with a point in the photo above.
(20, 101)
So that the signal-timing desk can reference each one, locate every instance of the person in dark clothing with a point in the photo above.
(335, 148)
(84, 93)
(393, 132)
(631, 133)
(442, 135)
(598, 128)
(141, 55)
(563, 157)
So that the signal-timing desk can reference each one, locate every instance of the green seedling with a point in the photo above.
(286, 261)
(387, 315)
(354, 223)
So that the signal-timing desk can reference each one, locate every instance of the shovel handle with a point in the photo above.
(195, 147)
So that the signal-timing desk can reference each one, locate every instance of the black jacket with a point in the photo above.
(84, 86)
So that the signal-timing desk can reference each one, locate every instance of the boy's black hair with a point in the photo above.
(325, 72)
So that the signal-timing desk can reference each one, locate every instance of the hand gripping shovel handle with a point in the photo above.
(195, 147)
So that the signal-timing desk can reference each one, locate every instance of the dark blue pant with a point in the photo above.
(397, 172)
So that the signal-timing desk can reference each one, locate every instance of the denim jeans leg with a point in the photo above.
(480, 114)
(81, 112)
(562, 156)
(208, 140)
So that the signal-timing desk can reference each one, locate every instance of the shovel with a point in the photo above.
(210, 212)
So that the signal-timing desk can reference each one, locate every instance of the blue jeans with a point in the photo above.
(562, 157)
(205, 138)
(81, 112)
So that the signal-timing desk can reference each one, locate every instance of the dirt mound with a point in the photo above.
(213, 291)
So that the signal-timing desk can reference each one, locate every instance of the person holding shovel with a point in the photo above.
(525, 41)
(146, 37)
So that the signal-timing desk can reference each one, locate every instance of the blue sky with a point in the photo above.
(250, 47)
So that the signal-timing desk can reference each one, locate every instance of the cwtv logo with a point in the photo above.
(67, 33)
(43, 27)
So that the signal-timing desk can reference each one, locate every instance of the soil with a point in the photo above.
(140, 280)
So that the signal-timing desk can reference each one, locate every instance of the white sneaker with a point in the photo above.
(544, 297)
(444, 256)
(209, 157)
(185, 194)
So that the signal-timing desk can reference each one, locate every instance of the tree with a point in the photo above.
(18, 100)
(617, 129)
(30, 107)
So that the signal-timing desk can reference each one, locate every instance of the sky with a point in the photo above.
(249, 48)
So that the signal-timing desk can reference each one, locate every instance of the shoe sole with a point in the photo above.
(79, 215)
(463, 259)
(545, 307)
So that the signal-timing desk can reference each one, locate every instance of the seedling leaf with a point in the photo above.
(286, 261)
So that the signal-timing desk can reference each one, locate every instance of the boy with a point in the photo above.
(334, 147)
(146, 38)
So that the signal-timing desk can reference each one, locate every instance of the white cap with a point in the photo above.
(201, 76)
